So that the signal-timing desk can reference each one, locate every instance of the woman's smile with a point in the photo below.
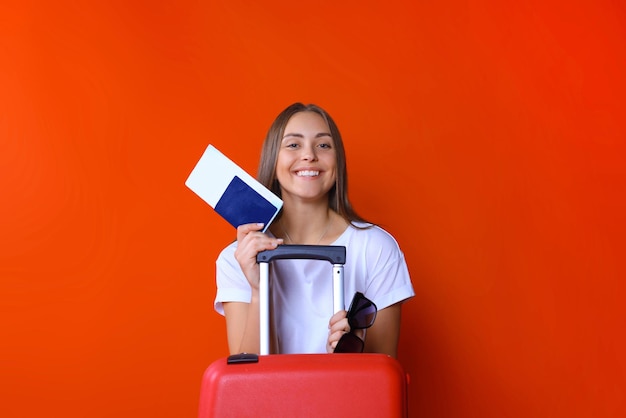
(307, 173)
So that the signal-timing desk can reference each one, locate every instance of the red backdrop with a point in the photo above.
(487, 136)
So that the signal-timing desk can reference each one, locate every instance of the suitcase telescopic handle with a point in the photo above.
(334, 254)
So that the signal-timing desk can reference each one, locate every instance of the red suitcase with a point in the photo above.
(303, 385)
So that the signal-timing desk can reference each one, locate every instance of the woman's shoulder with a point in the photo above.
(372, 234)
(228, 252)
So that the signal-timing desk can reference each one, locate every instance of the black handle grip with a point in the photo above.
(334, 254)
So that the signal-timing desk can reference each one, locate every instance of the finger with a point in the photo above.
(337, 317)
(341, 327)
(252, 241)
(333, 341)
(247, 249)
(259, 242)
(336, 336)
(245, 229)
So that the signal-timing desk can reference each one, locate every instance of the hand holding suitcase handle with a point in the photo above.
(336, 255)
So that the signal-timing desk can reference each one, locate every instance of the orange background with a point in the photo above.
(487, 136)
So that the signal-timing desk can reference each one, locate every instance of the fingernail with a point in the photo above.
(260, 224)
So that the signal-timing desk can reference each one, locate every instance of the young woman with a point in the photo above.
(303, 161)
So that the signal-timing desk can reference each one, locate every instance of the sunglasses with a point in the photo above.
(361, 315)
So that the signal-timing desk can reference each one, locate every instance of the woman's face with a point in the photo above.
(306, 167)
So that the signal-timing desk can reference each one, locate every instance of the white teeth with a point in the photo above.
(307, 173)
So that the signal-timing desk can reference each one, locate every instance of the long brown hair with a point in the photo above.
(338, 194)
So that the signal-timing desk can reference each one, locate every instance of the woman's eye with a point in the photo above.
(325, 146)
(292, 145)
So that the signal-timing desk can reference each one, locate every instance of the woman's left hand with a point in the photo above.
(338, 326)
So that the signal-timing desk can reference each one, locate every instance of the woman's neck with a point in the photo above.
(305, 225)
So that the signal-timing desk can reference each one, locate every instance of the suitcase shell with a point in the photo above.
(306, 385)
(303, 385)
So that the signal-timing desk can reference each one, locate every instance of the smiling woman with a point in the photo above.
(306, 165)
(303, 161)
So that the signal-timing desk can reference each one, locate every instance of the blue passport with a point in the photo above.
(234, 194)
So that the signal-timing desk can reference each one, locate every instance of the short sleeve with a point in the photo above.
(232, 285)
(388, 280)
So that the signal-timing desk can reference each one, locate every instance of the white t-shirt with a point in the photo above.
(301, 290)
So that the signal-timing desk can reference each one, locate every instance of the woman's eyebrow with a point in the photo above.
(297, 135)
(293, 134)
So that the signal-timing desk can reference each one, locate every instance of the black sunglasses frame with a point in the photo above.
(350, 342)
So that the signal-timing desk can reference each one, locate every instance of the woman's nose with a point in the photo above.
(308, 153)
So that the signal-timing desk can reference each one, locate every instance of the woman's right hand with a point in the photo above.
(250, 242)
